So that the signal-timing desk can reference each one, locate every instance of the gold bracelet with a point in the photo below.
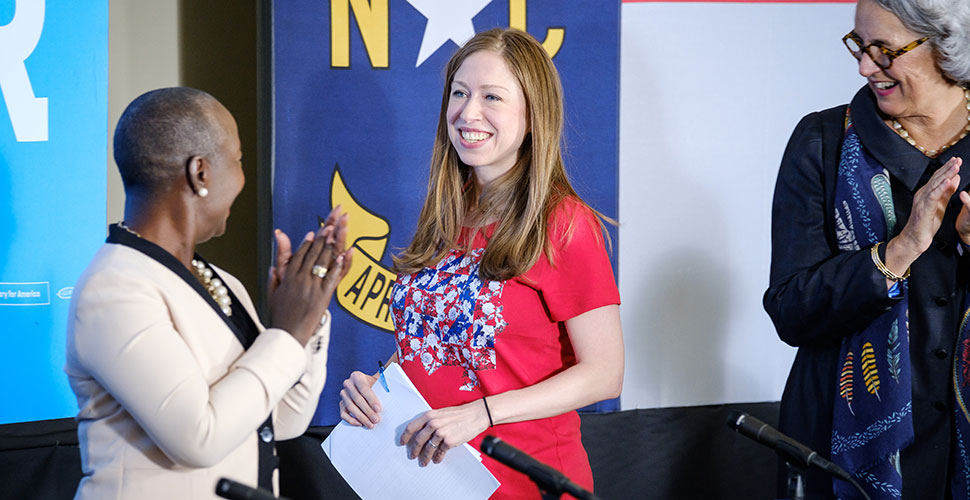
(882, 267)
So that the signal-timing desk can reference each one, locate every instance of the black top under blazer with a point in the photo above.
(818, 295)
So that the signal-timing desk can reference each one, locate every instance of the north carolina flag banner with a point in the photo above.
(357, 89)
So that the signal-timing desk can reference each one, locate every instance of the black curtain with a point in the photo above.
(656, 454)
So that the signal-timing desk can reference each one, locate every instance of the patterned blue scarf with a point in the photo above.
(960, 480)
(873, 416)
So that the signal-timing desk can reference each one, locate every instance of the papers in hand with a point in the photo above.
(373, 464)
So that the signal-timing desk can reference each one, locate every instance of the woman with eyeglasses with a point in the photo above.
(870, 261)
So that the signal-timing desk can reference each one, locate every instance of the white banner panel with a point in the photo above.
(709, 94)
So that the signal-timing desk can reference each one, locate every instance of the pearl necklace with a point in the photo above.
(214, 286)
(932, 153)
(122, 225)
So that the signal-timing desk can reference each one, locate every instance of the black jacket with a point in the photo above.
(818, 295)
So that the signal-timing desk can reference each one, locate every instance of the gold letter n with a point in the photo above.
(372, 20)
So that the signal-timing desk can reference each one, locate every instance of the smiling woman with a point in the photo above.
(505, 307)
(486, 116)
(177, 382)
(913, 90)
(869, 251)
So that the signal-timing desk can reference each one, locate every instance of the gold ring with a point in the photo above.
(319, 271)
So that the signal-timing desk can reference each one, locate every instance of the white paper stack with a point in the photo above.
(376, 467)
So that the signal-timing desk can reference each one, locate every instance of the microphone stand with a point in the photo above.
(551, 483)
(553, 494)
(797, 456)
(796, 481)
(552, 489)
(548, 495)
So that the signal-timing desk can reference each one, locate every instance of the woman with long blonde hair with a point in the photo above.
(505, 308)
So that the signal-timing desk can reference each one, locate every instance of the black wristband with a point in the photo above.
(490, 423)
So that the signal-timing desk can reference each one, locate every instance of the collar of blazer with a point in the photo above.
(241, 324)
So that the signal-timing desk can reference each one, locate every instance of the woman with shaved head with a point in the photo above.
(178, 384)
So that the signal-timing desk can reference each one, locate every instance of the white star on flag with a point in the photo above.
(447, 20)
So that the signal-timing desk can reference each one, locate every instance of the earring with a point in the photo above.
(203, 192)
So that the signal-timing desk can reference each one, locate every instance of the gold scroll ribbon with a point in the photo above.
(366, 290)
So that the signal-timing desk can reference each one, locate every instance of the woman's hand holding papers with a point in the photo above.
(358, 401)
(430, 435)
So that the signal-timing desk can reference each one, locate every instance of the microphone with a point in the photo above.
(227, 488)
(547, 478)
(787, 447)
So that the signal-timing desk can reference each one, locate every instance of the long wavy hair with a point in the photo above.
(521, 199)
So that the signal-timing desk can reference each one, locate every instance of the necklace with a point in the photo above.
(214, 286)
(932, 153)
(122, 225)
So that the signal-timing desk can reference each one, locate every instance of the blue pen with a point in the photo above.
(380, 364)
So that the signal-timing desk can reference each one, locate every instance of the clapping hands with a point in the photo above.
(301, 284)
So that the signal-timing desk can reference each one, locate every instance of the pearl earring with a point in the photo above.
(203, 192)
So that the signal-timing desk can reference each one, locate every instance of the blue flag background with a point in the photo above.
(53, 153)
(358, 85)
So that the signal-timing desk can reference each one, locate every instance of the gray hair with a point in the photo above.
(947, 23)
(157, 134)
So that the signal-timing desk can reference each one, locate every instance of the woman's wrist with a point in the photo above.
(477, 410)
(877, 259)
(488, 413)
(900, 254)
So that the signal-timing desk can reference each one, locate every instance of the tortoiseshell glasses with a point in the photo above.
(882, 56)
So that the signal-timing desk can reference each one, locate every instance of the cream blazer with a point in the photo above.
(169, 402)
